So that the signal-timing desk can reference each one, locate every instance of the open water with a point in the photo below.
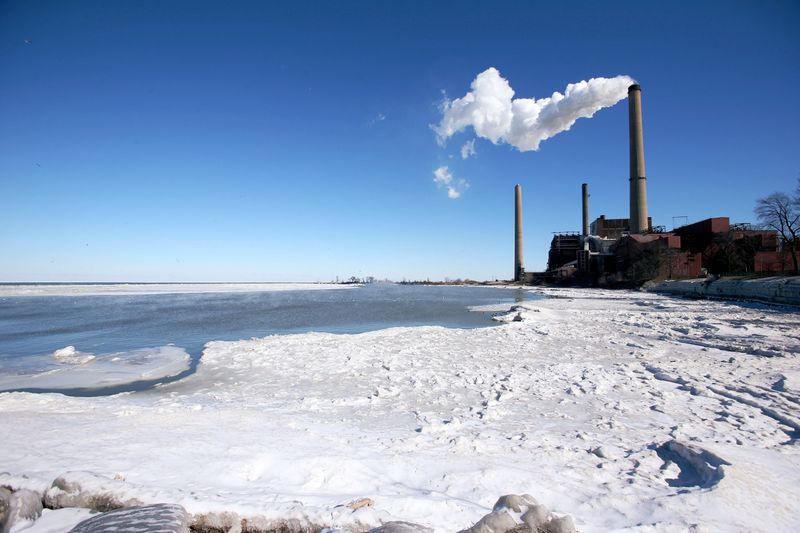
(33, 327)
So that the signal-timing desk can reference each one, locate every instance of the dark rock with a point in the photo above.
(163, 517)
(600, 452)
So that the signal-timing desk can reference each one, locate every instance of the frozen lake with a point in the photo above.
(147, 334)
(626, 410)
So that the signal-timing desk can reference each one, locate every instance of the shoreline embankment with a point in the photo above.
(778, 289)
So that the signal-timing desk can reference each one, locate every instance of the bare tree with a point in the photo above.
(780, 212)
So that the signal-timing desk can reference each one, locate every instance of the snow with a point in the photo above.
(628, 411)
(120, 289)
(777, 289)
(55, 521)
(74, 369)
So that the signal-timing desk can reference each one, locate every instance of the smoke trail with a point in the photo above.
(493, 112)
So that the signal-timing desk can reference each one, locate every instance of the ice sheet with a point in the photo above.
(72, 369)
(630, 411)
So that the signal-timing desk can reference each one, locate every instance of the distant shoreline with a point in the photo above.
(15, 283)
(107, 288)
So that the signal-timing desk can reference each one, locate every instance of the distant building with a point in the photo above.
(613, 228)
(654, 256)
(563, 249)
(733, 248)
(630, 250)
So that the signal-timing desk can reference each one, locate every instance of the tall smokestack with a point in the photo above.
(518, 268)
(638, 181)
(585, 191)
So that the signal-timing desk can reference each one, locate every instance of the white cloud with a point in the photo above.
(443, 177)
(468, 150)
(380, 117)
(493, 112)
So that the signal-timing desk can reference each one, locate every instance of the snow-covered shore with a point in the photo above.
(778, 289)
(629, 411)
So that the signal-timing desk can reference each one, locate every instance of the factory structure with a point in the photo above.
(631, 250)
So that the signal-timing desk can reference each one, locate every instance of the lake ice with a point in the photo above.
(628, 411)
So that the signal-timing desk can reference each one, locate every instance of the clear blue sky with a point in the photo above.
(209, 141)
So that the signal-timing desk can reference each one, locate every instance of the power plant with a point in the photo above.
(585, 210)
(632, 250)
(519, 269)
(638, 181)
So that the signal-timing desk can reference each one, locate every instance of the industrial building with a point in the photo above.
(632, 250)
(613, 228)
(743, 248)
(564, 249)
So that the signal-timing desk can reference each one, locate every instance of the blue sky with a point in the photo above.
(211, 141)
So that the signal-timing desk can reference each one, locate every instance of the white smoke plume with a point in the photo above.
(443, 177)
(493, 112)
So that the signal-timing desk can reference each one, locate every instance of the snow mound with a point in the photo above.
(88, 490)
(521, 514)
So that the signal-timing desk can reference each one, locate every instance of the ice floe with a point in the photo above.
(75, 370)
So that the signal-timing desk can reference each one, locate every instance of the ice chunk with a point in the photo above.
(72, 356)
(23, 506)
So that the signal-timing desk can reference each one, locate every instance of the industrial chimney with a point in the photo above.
(638, 181)
(585, 191)
(518, 268)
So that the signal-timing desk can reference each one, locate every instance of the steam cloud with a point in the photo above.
(493, 112)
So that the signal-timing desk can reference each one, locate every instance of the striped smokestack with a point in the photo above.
(638, 181)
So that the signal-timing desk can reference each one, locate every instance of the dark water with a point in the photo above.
(37, 325)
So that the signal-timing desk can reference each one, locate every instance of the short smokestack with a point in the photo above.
(518, 267)
(638, 181)
(585, 191)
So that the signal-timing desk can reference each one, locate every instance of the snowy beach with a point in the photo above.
(628, 411)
